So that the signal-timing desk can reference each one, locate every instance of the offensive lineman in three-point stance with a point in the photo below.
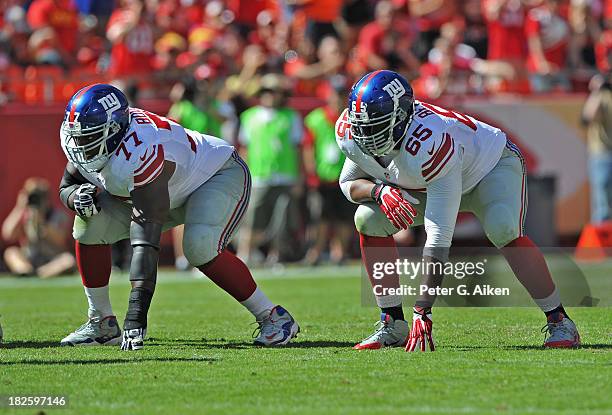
(411, 163)
(132, 174)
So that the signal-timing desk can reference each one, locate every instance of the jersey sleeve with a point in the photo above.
(350, 172)
(149, 165)
(440, 158)
(443, 199)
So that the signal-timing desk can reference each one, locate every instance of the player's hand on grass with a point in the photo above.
(85, 203)
(395, 204)
(421, 337)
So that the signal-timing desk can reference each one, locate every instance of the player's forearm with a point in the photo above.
(71, 180)
(360, 190)
(443, 199)
(151, 207)
(145, 237)
(432, 277)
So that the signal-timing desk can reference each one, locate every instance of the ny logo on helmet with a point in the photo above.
(394, 88)
(110, 102)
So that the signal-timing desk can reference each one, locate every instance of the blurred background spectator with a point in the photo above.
(597, 115)
(271, 136)
(41, 233)
(331, 214)
(548, 37)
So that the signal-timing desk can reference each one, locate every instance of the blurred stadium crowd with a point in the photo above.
(443, 46)
(237, 69)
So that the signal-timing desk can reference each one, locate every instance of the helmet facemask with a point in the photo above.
(87, 146)
(376, 135)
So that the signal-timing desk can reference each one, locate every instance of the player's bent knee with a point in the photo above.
(501, 225)
(108, 226)
(88, 231)
(201, 243)
(369, 220)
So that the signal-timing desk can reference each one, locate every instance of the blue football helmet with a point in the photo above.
(96, 120)
(380, 109)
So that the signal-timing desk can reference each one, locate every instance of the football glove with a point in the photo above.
(395, 204)
(421, 335)
(133, 339)
(85, 200)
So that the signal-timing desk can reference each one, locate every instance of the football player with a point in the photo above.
(132, 174)
(411, 163)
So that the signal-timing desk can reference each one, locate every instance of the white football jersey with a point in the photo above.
(436, 140)
(151, 139)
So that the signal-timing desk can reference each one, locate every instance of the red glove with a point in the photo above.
(394, 204)
(421, 336)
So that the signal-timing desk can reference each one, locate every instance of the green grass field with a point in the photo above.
(199, 360)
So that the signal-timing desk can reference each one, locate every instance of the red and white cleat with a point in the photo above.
(561, 332)
(389, 333)
(421, 336)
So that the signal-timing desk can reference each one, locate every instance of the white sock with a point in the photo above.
(99, 302)
(258, 304)
(549, 303)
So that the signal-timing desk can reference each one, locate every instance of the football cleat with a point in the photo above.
(96, 332)
(560, 332)
(388, 333)
(421, 335)
(277, 329)
(133, 339)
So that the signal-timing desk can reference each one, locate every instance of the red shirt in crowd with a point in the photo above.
(603, 52)
(378, 40)
(506, 34)
(133, 54)
(433, 20)
(325, 11)
(246, 11)
(554, 34)
(61, 15)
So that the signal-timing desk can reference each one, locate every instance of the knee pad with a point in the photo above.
(201, 243)
(369, 220)
(501, 225)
